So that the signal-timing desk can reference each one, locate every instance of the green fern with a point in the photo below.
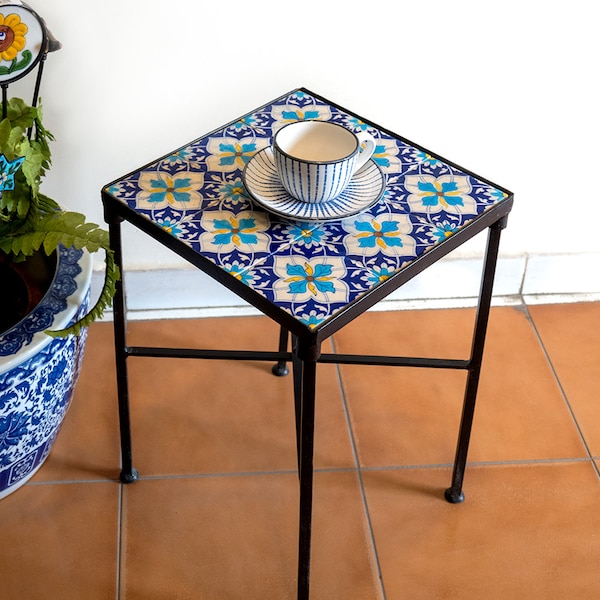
(104, 301)
(31, 221)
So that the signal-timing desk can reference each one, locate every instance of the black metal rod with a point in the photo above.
(36, 89)
(297, 378)
(38, 80)
(309, 371)
(151, 352)
(282, 357)
(454, 494)
(280, 369)
(394, 361)
(128, 473)
(4, 100)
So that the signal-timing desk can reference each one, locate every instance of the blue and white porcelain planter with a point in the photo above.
(38, 373)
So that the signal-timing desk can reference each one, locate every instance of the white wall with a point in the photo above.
(507, 89)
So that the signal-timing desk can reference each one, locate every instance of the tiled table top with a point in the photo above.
(310, 270)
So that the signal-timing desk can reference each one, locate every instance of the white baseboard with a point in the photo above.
(177, 293)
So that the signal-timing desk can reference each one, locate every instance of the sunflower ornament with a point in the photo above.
(22, 41)
(12, 36)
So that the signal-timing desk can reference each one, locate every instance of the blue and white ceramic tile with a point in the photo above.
(310, 269)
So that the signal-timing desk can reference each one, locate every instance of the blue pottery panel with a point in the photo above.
(312, 269)
(34, 398)
(35, 394)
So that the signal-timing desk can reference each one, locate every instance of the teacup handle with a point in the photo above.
(365, 153)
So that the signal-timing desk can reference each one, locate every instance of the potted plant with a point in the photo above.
(45, 269)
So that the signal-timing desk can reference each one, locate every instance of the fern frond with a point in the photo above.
(66, 228)
(111, 276)
(46, 204)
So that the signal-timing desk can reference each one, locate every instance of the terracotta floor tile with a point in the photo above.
(571, 335)
(59, 541)
(523, 532)
(236, 537)
(224, 416)
(228, 528)
(87, 446)
(522, 413)
(410, 416)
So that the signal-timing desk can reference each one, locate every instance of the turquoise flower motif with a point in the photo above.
(312, 319)
(233, 190)
(8, 168)
(305, 277)
(229, 231)
(303, 234)
(495, 195)
(381, 235)
(357, 124)
(441, 231)
(239, 272)
(245, 122)
(378, 274)
(171, 226)
(445, 193)
(165, 189)
(299, 115)
(426, 159)
(236, 153)
(179, 157)
(380, 156)
(227, 154)
(114, 189)
(159, 190)
(300, 279)
(290, 113)
(236, 231)
(373, 233)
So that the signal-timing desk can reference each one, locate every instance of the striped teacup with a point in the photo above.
(317, 159)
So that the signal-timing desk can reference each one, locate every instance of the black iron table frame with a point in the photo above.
(305, 355)
(306, 349)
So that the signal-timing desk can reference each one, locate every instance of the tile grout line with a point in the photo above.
(359, 476)
(71, 481)
(527, 462)
(561, 388)
(399, 467)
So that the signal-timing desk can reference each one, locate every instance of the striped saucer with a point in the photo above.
(263, 184)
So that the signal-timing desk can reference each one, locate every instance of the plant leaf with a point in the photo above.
(29, 220)
(111, 276)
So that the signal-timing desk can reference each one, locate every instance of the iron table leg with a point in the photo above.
(454, 494)
(128, 473)
(305, 370)
(297, 381)
(280, 369)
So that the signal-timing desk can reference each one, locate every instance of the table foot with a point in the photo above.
(280, 370)
(454, 496)
(129, 476)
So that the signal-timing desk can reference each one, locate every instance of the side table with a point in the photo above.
(312, 273)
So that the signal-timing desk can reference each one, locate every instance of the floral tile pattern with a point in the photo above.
(310, 270)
